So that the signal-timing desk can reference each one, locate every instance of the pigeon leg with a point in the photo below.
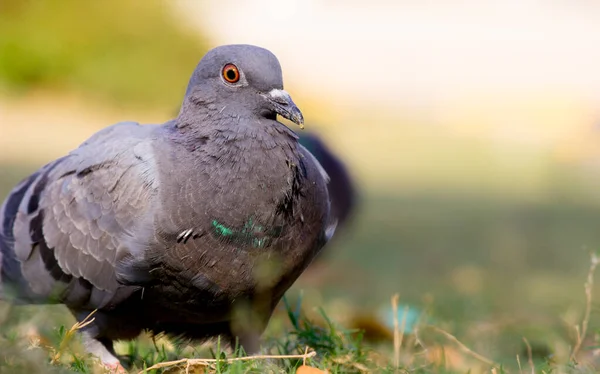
(246, 338)
(103, 349)
(250, 342)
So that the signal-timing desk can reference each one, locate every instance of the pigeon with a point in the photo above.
(194, 228)
(341, 187)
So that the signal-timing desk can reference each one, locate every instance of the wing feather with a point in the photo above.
(332, 221)
(75, 219)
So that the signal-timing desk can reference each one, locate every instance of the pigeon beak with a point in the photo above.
(284, 106)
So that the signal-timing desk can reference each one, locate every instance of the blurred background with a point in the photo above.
(472, 130)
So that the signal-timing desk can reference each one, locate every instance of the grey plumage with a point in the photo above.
(166, 227)
(342, 186)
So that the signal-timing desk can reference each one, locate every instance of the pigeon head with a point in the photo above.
(244, 80)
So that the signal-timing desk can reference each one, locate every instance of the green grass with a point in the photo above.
(336, 350)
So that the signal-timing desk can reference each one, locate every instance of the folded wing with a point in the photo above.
(65, 228)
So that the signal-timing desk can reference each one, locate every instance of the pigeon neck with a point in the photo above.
(201, 119)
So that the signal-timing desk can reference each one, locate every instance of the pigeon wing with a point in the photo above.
(312, 162)
(80, 215)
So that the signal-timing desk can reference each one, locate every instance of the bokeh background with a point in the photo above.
(472, 129)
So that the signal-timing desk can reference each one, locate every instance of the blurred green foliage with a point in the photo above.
(128, 52)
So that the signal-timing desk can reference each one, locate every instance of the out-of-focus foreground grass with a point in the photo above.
(490, 240)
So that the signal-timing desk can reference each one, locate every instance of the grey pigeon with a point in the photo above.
(168, 228)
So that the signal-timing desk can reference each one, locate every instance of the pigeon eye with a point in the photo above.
(231, 73)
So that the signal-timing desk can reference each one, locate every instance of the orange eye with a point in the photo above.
(231, 73)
